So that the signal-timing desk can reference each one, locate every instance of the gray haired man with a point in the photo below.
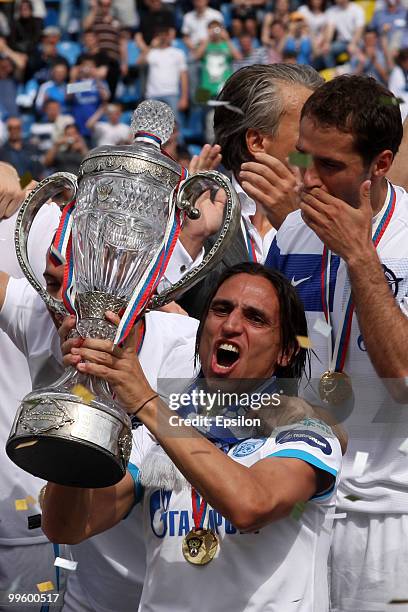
(256, 128)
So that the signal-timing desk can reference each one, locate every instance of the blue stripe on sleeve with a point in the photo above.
(134, 472)
(304, 456)
(292, 453)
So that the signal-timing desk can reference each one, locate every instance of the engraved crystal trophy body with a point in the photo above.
(115, 239)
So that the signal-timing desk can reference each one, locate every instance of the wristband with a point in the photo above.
(144, 404)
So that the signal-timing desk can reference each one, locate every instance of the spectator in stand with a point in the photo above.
(281, 13)
(67, 152)
(19, 60)
(39, 8)
(167, 77)
(398, 82)
(315, 14)
(154, 14)
(85, 103)
(216, 54)
(244, 17)
(273, 39)
(20, 154)
(39, 64)
(391, 22)
(370, 58)
(54, 89)
(346, 25)
(42, 133)
(107, 29)
(298, 40)
(26, 30)
(8, 88)
(195, 23)
(110, 132)
(92, 49)
(250, 55)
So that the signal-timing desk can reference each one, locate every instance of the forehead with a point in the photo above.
(246, 290)
(325, 141)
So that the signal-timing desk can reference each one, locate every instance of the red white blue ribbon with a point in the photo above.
(250, 243)
(61, 254)
(338, 355)
(154, 272)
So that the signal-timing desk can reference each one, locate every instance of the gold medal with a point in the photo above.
(200, 546)
(335, 387)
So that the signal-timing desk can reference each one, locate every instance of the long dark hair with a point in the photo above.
(292, 316)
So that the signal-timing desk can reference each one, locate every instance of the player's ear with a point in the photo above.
(382, 164)
(255, 141)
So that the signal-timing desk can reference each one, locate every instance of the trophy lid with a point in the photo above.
(152, 125)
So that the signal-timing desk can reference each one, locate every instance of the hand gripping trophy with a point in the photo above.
(115, 239)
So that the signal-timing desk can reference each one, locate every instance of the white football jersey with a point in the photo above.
(111, 565)
(375, 423)
(281, 567)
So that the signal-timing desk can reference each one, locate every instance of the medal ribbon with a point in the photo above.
(338, 356)
(250, 243)
(199, 509)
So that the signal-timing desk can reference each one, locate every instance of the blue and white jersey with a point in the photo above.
(281, 567)
(375, 424)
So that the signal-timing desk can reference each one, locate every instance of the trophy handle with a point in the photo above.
(48, 188)
(194, 186)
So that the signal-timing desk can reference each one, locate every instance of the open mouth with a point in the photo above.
(227, 355)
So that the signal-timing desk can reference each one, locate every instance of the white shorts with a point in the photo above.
(22, 568)
(368, 565)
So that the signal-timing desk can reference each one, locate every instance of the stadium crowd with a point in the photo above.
(180, 52)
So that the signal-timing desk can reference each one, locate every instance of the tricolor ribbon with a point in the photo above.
(61, 254)
(250, 243)
(154, 272)
(338, 356)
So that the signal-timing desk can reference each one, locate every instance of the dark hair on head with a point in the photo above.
(362, 107)
(402, 56)
(322, 8)
(257, 91)
(292, 316)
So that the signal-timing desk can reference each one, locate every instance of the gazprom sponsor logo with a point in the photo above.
(303, 435)
(175, 523)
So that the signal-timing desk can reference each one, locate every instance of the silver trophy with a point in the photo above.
(125, 203)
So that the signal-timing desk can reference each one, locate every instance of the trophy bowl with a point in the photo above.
(115, 238)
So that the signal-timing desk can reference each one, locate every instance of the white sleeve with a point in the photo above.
(26, 321)
(186, 27)
(360, 16)
(396, 82)
(41, 235)
(179, 264)
(314, 442)
(182, 60)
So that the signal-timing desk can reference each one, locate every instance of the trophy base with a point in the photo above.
(63, 440)
(66, 462)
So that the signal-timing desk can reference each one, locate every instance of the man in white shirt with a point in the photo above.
(26, 555)
(346, 251)
(264, 129)
(195, 23)
(346, 24)
(110, 132)
(111, 565)
(249, 481)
